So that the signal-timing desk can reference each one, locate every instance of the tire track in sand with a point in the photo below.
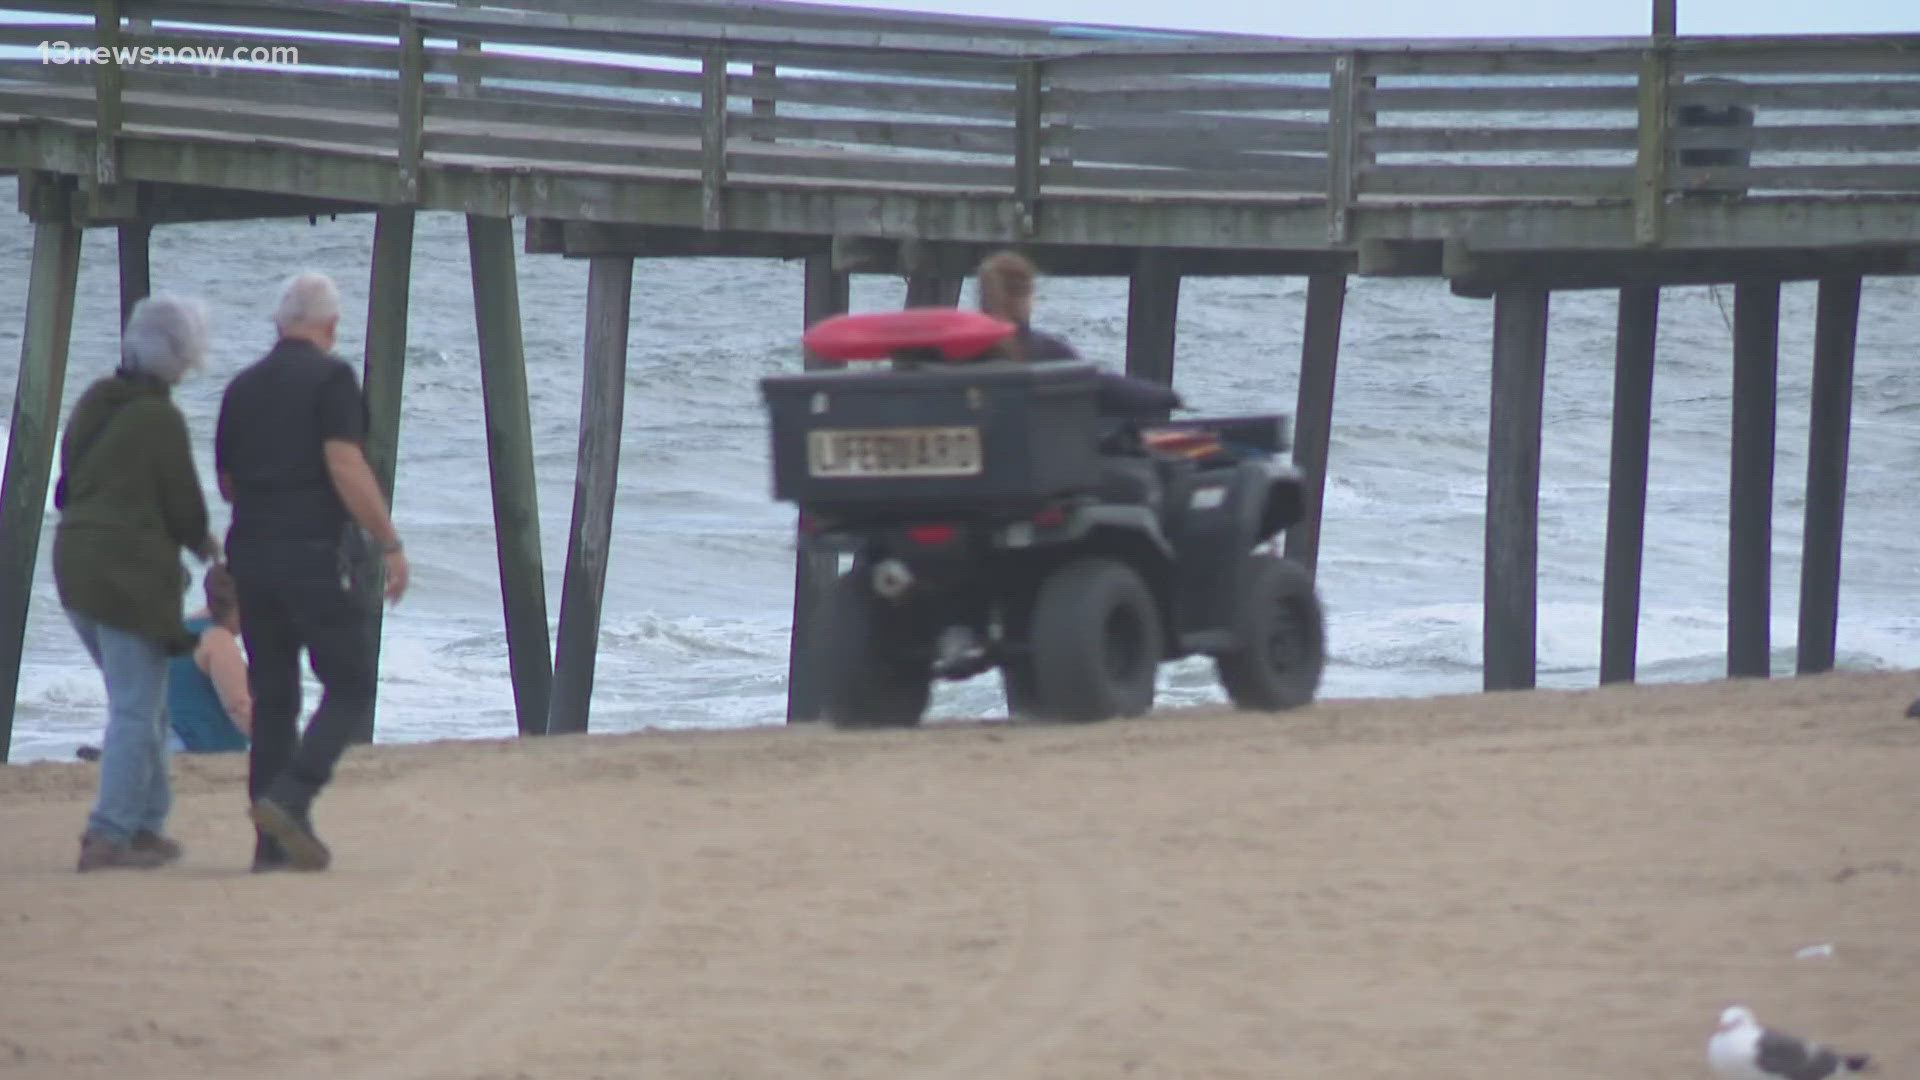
(1068, 951)
(569, 930)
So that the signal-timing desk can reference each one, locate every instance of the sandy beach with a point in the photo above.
(1547, 884)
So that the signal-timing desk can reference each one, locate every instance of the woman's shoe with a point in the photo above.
(107, 853)
(167, 847)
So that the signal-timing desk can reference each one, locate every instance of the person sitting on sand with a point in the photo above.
(208, 702)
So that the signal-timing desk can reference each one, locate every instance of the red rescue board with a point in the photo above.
(876, 335)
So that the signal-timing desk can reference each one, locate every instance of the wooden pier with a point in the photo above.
(911, 145)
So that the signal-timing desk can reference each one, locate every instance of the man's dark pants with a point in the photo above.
(280, 614)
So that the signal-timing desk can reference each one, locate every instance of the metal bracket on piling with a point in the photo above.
(413, 93)
(1026, 148)
(1655, 148)
(713, 136)
(109, 110)
(1343, 145)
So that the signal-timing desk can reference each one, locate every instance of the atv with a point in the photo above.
(995, 521)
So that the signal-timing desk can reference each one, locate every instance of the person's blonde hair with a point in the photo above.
(1006, 285)
(1006, 291)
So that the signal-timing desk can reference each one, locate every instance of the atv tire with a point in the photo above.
(1283, 637)
(864, 679)
(1096, 642)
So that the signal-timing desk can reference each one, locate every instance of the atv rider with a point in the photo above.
(1006, 280)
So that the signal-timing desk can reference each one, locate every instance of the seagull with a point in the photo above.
(1743, 1050)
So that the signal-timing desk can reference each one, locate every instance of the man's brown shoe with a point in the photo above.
(107, 853)
(294, 830)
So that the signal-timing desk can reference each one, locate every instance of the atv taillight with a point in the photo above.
(1051, 516)
(932, 535)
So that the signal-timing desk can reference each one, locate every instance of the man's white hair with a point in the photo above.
(307, 299)
(166, 337)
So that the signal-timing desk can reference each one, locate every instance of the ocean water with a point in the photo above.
(699, 583)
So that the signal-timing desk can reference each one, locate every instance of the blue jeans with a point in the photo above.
(135, 792)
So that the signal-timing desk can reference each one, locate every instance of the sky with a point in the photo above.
(1451, 18)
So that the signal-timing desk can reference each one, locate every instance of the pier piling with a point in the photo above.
(388, 283)
(1634, 340)
(813, 571)
(1153, 315)
(1508, 635)
(1836, 325)
(1313, 413)
(603, 396)
(136, 274)
(516, 513)
(1756, 355)
(34, 428)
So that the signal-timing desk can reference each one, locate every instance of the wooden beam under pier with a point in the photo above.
(591, 240)
(603, 396)
(1836, 325)
(164, 203)
(1509, 632)
(934, 290)
(136, 270)
(516, 511)
(882, 255)
(178, 203)
(1479, 272)
(35, 425)
(1399, 258)
(1756, 363)
(1313, 415)
(814, 572)
(1633, 362)
(388, 285)
(887, 255)
(1153, 317)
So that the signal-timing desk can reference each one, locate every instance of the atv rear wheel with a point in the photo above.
(1096, 641)
(865, 679)
(1283, 637)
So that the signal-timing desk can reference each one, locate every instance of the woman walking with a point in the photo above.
(129, 499)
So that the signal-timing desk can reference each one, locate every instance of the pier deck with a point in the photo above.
(814, 122)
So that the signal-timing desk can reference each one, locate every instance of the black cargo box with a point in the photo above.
(981, 432)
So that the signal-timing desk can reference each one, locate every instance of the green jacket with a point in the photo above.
(132, 502)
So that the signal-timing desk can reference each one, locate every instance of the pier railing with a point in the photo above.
(771, 95)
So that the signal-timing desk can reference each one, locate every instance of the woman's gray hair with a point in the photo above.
(166, 337)
(309, 298)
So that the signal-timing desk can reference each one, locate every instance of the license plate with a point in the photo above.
(929, 451)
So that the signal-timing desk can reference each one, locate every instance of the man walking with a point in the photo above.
(289, 452)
